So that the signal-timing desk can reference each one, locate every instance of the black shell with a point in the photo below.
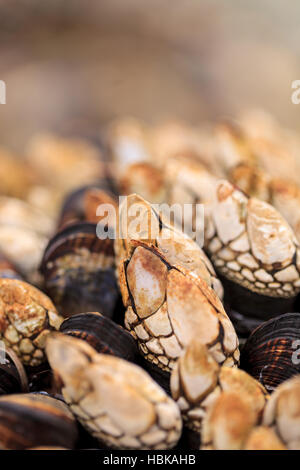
(13, 377)
(247, 309)
(73, 209)
(102, 334)
(272, 352)
(30, 420)
(80, 284)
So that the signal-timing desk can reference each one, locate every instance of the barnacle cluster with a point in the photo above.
(162, 334)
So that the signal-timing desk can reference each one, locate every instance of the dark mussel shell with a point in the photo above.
(102, 334)
(13, 377)
(80, 205)
(162, 377)
(41, 380)
(272, 352)
(78, 270)
(31, 420)
(247, 310)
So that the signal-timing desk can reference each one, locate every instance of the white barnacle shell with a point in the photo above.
(282, 412)
(229, 422)
(197, 380)
(253, 245)
(167, 306)
(139, 220)
(229, 212)
(26, 317)
(116, 401)
(271, 238)
(263, 438)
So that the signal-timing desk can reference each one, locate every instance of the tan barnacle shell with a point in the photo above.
(275, 158)
(232, 147)
(171, 137)
(16, 178)
(168, 305)
(145, 179)
(251, 180)
(285, 197)
(189, 180)
(252, 244)
(283, 194)
(127, 140)
(139, 220)
(263, 438)
(228, 423)
(197, 380)
(26, 317)
(131, 161)
(282, 412)
(275, 148)
(64, 163)
(24, 231)
(116, 401)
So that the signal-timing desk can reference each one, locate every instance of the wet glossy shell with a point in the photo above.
(282, 412)
(116, 401)
(139, 220)
(35, 420)
(26, 317)
(82, 204)
(78, 269)
(13, 378)
(197, 380)
(271, 352)
(167, 306)
(251, 244)
(102, 334)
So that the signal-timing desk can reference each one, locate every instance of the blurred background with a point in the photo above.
(74, 65)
